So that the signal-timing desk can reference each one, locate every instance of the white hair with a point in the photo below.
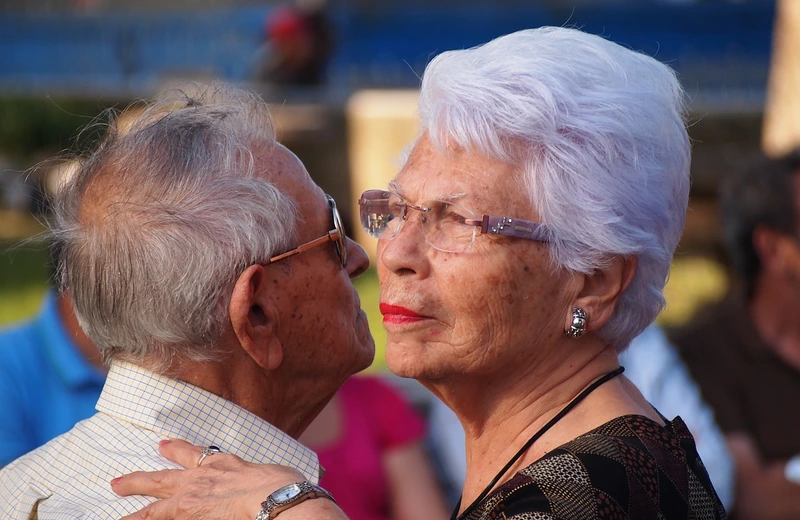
(599, 133)
(160, 220)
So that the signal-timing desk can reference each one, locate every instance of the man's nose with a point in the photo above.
(357, 259)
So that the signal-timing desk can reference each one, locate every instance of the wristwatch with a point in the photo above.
(290, 496)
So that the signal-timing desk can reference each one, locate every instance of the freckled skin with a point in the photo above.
(326, 337)
(492, 309)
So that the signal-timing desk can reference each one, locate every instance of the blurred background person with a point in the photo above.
(50, 378)
(744, 352)
(369, 440)
(297, 44)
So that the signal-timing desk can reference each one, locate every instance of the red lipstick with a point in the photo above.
(396, 314)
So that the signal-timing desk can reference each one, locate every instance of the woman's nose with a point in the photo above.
(404, 252)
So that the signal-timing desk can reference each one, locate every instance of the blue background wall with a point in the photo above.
(718, 47)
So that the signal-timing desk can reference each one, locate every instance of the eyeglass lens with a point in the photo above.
(443, 223)
(341, 243)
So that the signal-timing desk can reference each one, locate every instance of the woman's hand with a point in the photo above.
(223, 488)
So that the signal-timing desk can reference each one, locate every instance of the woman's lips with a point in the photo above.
(397, 314)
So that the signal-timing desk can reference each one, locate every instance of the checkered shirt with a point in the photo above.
(68, 477)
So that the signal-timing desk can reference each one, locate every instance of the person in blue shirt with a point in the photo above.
(51, 376)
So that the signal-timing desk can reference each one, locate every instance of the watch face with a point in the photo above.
(286, 493)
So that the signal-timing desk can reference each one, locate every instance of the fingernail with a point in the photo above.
(116, 481)
(164, 442)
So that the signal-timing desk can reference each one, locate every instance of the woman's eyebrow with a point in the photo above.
(452, 197)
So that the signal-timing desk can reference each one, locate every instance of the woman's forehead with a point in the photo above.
(429, 191)
(457, 185)
(454, 164)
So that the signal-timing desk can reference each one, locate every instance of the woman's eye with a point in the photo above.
(453, 214)
(396, 209)
(455, 217)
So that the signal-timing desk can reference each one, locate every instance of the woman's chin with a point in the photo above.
(416, 367)
(402, 362)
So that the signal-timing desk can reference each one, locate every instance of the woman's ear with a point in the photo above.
(254, 318)
(601, 291)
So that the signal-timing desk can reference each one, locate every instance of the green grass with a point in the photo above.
(23, 281)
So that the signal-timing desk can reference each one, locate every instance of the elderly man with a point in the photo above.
(214, 276)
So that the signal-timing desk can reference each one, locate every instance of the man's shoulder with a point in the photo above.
(69, 476)
(67, 453)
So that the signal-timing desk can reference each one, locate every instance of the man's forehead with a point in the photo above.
(286, 172)
(278, 160)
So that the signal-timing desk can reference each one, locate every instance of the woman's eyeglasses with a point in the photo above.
(447, 227)
(335, 235)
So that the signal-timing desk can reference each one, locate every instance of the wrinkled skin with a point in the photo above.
(224, 487)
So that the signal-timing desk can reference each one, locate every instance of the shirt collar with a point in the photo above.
(175, 409)
(67, 361)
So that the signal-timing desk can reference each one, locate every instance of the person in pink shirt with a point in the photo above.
(369, 440)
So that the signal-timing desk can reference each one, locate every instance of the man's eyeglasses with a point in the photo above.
(447, 227)
(335, 235)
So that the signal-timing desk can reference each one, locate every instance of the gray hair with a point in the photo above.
(162, 217)
(599, 133)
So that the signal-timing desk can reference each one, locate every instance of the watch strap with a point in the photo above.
(272, 507)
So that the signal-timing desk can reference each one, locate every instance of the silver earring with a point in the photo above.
(578, 326)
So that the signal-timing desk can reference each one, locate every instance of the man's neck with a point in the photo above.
(233, 379)
(266, 395)
(775, 318)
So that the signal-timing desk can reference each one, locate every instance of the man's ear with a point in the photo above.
(601, 291)
(255, 318)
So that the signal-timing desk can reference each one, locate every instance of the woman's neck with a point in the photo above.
(499, 414)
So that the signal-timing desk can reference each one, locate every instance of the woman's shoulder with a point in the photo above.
(630, 467)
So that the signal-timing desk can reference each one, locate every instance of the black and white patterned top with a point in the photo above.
(630, 468)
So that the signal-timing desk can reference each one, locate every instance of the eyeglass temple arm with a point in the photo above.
(332, 236)
(512, 227)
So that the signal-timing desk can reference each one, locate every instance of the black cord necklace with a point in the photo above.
(542, 430)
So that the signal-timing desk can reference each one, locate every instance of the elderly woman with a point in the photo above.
(525, 242)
